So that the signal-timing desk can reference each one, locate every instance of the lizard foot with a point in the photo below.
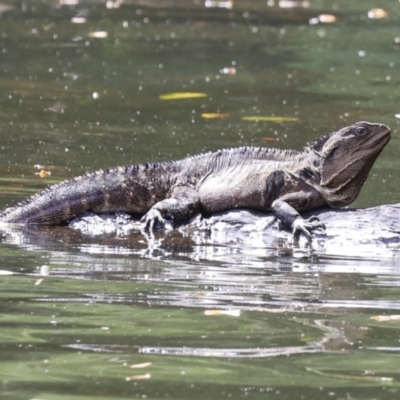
(150, 220)
(306, 226)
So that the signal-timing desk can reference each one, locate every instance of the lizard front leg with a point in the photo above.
(183, 203)
(285, 209)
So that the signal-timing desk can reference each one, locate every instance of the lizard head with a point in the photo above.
(347, 156)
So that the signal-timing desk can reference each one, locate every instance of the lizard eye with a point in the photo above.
(360, 130)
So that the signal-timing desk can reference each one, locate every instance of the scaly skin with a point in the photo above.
(329, 172)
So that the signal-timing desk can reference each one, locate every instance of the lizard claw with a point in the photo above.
(306, 226)
(150, 220)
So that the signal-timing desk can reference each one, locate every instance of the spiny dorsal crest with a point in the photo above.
(318, 144)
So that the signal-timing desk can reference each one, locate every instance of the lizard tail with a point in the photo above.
(111, 190)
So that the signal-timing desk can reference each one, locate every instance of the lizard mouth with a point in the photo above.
(381, 138)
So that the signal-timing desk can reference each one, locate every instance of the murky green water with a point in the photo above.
(87, 318)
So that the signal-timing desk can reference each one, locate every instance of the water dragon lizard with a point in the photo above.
(329, 172)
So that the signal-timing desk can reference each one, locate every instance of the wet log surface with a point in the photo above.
(349, 232)
(372, 233)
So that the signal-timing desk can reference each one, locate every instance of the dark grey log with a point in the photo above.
(368, 234)
(365, 233)
(371, 232)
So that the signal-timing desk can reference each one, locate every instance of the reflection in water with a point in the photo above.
(316, 347)
(223, 275)
(108, 296)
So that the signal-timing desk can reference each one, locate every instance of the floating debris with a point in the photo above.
(377, 13)
(142, 365)
(293, 4)
(231, 313)
(182, 95)
(214, 115)
(228, 71)
(382, 318)
(98, 34)
(228, 4)
(43, 173)
(323, 19)
(78, 20)
(269, 119)
(113, 4)
(137, 377)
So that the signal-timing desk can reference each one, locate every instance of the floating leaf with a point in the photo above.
(327, 18)
(98, 34)
(323, 19)
(182, 95)
(269, 119)
(78, 20)
(232, 313)
(214, 115)
(142, 365)
(268, 139)
(377, 13)
(381, 318)
(43, 173)
(137, 377)
(38, 282)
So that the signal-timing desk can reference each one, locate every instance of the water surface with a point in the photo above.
(107, 317)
